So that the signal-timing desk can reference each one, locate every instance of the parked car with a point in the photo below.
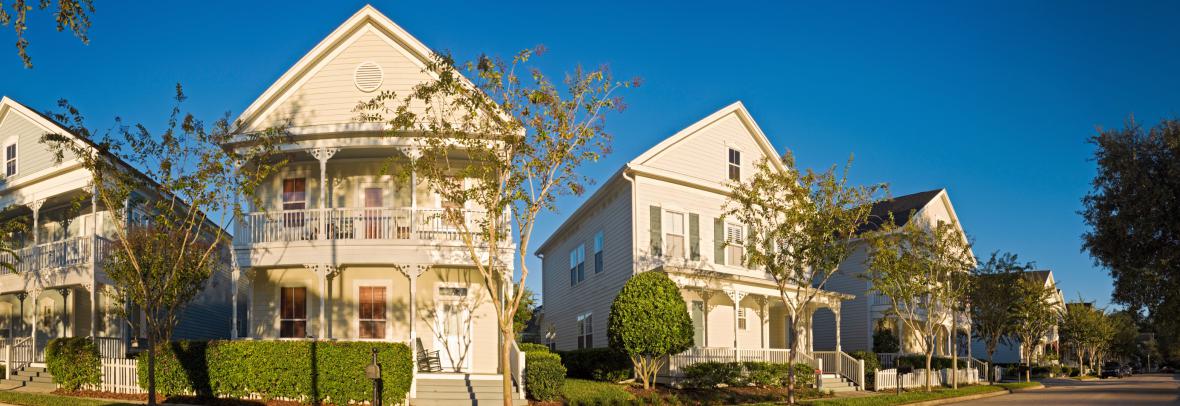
(1111, 370)
(1167, 370)
(1126, 371)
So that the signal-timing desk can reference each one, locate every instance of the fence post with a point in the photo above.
(860, 366)
(7, 360)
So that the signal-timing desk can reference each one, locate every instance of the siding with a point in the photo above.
(856, 324)
(563, 303)
(32, 155)
(704, 155)
(209, 315)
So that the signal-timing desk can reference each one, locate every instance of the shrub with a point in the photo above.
(544, 376)
(884, 341)
(309, 371)
(649, 320)
(712, 374)
(919, 362)
(74, 362)
(599, 364)
(590, 393)
(872, 364)
(531, 347)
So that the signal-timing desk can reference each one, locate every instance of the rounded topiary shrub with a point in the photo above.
(649, 320)
(544, 376)
(74, 362)
(599, 364)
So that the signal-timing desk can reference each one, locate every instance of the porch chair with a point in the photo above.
(428, 361)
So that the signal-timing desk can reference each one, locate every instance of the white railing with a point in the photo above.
(887, 379)
(839, 362)
(20, 353)
(516, 362)
(55, 255)
(119, 376)
(888, 359)
(111, 347)
(979, 366)
(358, 224)
(674, 367)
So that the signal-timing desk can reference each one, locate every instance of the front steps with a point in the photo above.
(461, 390)
(30, 378)
(836, 383)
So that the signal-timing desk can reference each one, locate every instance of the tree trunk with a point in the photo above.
(506, 366)
(929, 357)
(1028, 364)
(791, 363)
(954, 360)
(151, 369)
(991, 365)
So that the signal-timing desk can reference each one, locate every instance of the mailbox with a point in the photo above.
(373, 372)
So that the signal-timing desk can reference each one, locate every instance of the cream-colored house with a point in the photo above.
(1010, 351)
(870, 311)
(340, 248)
(59, 289)
(662, 212)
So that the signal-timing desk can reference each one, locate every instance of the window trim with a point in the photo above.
(667, 227)
(283, 193)
(599, 241)
(15, 160)
(731, 166)
(578, 268)
(585, 335)
(386, 297)
(305, 319)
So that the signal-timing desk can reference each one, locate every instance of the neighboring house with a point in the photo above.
(1009, 351)
(340, 248)
(870, 311)
(662, 212)
(60, 288)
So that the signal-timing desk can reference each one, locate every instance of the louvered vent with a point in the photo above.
(368, 76)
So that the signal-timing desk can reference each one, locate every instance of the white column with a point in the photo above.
(249, 274)
(234, 276)
(736, 296)
(764, 320)
(705, 295)
(322, 154)
(323, 273)
(836, 311)
(35, 295)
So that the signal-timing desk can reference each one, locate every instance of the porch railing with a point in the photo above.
(357, 224)
(516, 363)
(111, 347)
(20, 353)
(674, 367)
(74, 251)
(839, 362)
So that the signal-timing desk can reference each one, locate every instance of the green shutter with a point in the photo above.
(656, 228)
(694, 236)
(718, 241)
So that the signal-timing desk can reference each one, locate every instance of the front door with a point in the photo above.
(452, 336)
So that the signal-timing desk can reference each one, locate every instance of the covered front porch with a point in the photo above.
(30, 319)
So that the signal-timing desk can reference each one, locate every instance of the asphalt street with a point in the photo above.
(1135, 390)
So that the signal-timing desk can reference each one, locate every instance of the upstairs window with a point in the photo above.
(10, 160)
(674, 234)
(598, 251)
(585, 331)
(294, 194)
(577, 265)
(735, 164)
(734, 244)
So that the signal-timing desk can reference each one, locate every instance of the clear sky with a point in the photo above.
(993, 100)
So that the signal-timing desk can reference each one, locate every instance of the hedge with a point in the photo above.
(918, 361)
(74, 362)
(712, 374)
(872, 364)
(599, 364)
(308, 371)
(530, 347)
(544, 376)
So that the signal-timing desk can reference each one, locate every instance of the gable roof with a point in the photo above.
(366, 17)
(900, 207)
(735, 108)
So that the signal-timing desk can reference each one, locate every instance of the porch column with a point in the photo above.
(736, 296)
(67, 326)
(322, 154)
(413, 154)
(323, 272)
(35, 206)
(705, 295)
(36, 295)
(763, 320)
(250, 273)
(412, 272)
(93, 262)
(836, 311)
(234, 276)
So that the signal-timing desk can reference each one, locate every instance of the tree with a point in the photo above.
(1033, 315)
(800, 224)
(991, 293)
(159, 190)
(916, 266)
(73, 15)
(509, 141)
(1133, 218)
(1079, 325)
(649, 320)
(525, 313)
(1124, 342)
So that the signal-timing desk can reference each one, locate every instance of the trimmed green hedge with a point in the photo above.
(711, 374)
(599, 364)
(309, 371)
(544, 376)
(919, 362)
(74, 361)
(530, 347)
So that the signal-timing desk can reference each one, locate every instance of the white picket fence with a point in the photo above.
(120, 376)
(886, 379)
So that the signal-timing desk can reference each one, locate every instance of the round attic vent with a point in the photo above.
(368, 76)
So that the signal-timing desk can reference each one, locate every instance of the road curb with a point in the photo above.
(948, 401)
(1031, 388)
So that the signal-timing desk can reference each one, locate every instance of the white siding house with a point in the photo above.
(1009, 351)
(663, 212)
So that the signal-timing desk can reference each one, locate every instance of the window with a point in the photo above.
(598, 251)
(674, 233)
(585, 332)
(372, 312)
(577, 265)
(735, 164)
(741, 317)
(293, 312)
(734, 244)
(294, 194)
(698, 323)
(452, 292)
(10, 160)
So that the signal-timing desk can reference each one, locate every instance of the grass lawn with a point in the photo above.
(39, 399)
(1019, 385)
(585, 392)
(907, 397)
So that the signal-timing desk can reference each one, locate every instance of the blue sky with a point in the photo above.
(991, 100)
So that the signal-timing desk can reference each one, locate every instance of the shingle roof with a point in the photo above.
(901, 207)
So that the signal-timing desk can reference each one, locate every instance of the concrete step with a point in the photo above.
(457, 388)
(35, 369)
(465, 402)
(481, 396)
(839, 388)
(41, 386)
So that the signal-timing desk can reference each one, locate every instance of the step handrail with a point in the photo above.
(22, 353)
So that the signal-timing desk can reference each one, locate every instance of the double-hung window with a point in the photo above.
(10, 160)
(598, 251)
(735, 165)
(741, 317)
(674, 234)
(293, 312)
(294, 198)
(585, 331)
(577, 264)
(734, 244)
(372, 312)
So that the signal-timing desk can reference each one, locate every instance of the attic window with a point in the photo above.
(368, 76)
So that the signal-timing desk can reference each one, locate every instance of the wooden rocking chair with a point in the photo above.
(428, 361)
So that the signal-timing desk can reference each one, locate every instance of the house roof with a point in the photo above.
(901, 207)
(1039, 275)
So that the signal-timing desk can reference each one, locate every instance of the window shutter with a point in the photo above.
(656, 226)
(694, 236)
(718, 241)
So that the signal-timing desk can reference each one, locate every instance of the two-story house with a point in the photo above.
(870, 311)
(342, 247)
(59, 288)
(663, 212)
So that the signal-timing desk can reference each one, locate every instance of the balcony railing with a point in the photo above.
(356, 224)
(58, 254)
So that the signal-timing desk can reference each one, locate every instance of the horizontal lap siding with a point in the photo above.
(855, 318)
(562, 302)
(705, 154)
(32, 155)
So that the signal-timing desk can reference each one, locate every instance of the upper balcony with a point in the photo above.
(357, 224)
(58, 263)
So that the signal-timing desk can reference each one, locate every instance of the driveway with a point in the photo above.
(1136, 390)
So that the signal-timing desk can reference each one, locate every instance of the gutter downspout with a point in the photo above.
(629, 175)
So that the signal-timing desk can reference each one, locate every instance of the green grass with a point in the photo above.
(1019, 385)
(585, 392)
(39, 399)
(907, 397)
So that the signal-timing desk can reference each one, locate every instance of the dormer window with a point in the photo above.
(735, 165)
(10, 160)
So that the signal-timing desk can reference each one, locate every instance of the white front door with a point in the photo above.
(452, 336)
